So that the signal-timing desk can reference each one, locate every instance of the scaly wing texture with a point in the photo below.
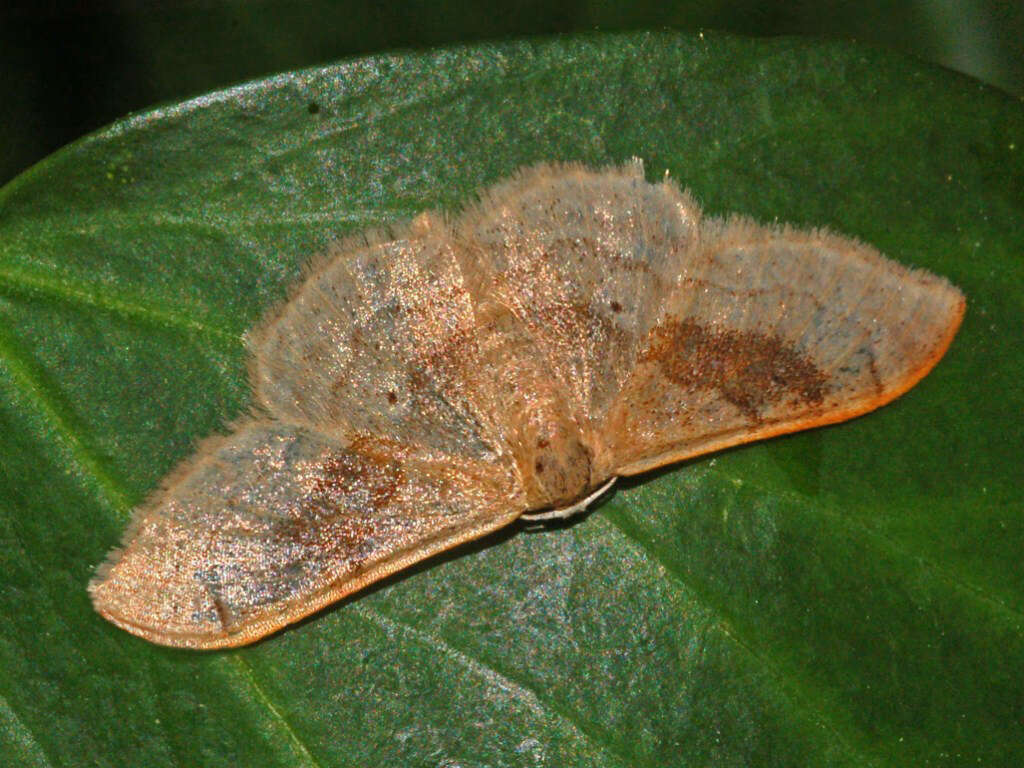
(773, 330)
(394, 339)
(584, 260)
(379, 341)
(274, 522)
(379, 450)
(423, 391)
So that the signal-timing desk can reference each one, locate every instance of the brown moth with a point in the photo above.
(424, 388)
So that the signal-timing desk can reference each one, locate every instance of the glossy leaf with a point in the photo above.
(847, 596)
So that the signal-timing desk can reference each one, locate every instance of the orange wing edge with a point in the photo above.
(852, 410)
(299, 608)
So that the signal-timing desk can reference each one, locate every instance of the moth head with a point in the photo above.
(558, 466)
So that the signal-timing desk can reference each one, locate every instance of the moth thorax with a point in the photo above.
(557, 470)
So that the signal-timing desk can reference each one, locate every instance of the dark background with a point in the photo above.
(67, 68)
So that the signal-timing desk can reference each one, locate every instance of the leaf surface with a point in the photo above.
(848, 596)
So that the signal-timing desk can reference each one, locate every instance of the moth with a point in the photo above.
(425, 387)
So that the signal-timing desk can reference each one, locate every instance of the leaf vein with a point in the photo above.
(522, 691)
(953, 578)
(137, 308)
(792, 686)
(246, 671)
(21, 733)
(47, 403)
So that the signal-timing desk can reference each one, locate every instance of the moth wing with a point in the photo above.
(774, 330)
(583, 259)
(274, 522)
(379, 339)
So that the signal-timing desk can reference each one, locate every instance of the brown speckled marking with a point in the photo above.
(347, 474)
(340, 510)
(749, 369)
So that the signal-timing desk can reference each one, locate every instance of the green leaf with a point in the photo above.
(852, 595)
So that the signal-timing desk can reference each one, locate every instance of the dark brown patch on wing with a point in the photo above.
(342, 533)
(749, 369)
(354, 479)
(345, 506)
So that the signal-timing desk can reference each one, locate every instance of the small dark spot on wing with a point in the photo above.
(223, 613)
